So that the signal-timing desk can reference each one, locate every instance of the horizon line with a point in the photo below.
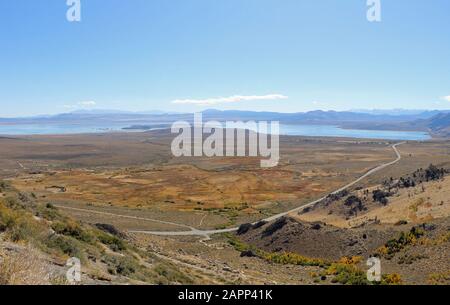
(168, 112)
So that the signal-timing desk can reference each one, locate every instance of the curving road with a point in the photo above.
(206, 233)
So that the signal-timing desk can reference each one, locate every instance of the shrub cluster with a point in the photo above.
(394, 246)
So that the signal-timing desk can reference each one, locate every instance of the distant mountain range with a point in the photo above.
(434, 121)
(438, 125)
(112, 111)
(320, 116)
(401, 112)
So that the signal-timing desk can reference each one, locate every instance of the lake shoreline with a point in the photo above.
(307, 130)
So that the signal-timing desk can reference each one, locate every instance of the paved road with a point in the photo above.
(206, 233)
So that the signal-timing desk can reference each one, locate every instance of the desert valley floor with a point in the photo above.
(131, 183)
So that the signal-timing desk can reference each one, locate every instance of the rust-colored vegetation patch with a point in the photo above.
(171, 187)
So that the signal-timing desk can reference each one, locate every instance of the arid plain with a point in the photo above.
(131, 181)
(136, 173)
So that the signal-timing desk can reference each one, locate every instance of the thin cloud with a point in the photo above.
(231, 99)
(83, 104)
(447, 98)
(87, 103)
(320, 104)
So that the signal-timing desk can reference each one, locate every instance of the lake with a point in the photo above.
(335, 131)
(293, 130)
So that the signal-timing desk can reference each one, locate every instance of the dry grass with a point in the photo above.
(23, 266)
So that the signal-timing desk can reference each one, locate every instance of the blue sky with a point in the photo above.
(274, 55)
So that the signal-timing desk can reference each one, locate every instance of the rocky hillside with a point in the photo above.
(316, 239)
(410, 254)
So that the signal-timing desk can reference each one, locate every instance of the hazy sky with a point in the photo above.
(188, 55)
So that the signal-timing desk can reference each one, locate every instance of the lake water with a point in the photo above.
(294, 130)
(335, 131)
(50, 129)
